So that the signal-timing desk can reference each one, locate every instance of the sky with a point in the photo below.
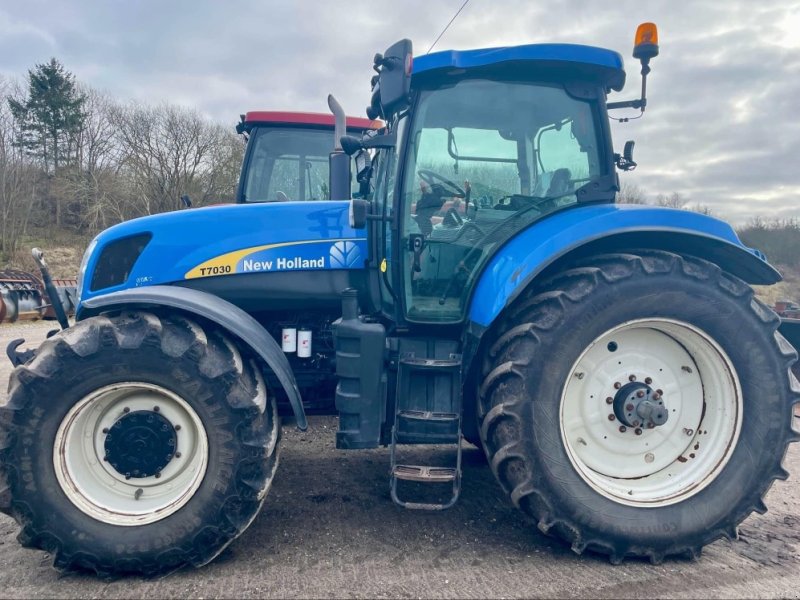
(722, 126)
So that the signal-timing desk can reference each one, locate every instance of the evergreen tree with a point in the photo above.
(51, 117)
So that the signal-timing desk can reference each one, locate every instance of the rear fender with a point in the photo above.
(590, 230)
(215, 309)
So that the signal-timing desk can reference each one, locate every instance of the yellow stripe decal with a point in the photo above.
(225, 264)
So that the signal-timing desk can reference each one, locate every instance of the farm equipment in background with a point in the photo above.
(23, 296)
(631, 394)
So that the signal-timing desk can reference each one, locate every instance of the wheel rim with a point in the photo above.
(130, 453)
(640, 462)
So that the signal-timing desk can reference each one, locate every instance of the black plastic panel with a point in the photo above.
(116, 261)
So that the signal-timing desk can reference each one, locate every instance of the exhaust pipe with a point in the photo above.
(340, 122)
(339, 173)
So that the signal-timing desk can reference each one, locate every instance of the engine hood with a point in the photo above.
(226, 240)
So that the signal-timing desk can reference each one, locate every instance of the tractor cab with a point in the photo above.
(287, 155)
(481, 145)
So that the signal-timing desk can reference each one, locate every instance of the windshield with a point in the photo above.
(287, 163)
(484, 159)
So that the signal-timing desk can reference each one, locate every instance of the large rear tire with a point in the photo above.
(572, 361)
(136, 444)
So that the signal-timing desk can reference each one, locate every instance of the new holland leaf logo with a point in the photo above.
(344, 255)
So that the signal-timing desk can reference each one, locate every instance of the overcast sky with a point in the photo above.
(723, 120)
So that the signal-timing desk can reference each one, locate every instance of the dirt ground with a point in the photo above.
(329, 529)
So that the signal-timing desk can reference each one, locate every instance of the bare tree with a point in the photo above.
(166, 150)
(631, 194)
(17, 178)
(673, 200)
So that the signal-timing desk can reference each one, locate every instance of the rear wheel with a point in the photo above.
(639, 405)
(136, 443)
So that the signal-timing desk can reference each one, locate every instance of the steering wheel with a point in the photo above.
(433, 178)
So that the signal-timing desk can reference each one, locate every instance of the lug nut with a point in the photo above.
(640, 394)
(648, 380)
(622, 429)
(609, 400)
(637, 431)
(651, 425)
(611, 417)
(660, 392)
(629, 407)
(636, 423)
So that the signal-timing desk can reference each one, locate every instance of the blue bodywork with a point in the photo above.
(606, 64)
(228, 240)
(534, 248)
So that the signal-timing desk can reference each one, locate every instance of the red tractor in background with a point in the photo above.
(287, 154)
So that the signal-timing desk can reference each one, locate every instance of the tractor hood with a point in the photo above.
(222, 241)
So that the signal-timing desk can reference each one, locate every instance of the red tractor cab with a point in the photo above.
(287, 154)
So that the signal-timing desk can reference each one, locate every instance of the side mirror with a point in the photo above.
(390, 92)
(358, 213)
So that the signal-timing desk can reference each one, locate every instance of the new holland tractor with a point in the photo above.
(632, 396)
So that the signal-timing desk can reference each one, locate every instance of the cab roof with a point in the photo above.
(305, 118)
(586, 62)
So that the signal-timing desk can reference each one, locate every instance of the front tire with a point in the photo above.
(570, 364)
(136, 444)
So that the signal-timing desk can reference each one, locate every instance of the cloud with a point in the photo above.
(721, 125)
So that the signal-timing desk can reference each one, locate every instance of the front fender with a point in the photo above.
(228, 316)
(605, 228)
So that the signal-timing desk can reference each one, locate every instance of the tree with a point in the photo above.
(50, 118)
(674, 200)
(631, 194)
(17, 183)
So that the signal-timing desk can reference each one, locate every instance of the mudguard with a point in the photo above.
(215, 309)
(595, 229)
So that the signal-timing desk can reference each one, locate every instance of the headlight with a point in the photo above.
(84, 263)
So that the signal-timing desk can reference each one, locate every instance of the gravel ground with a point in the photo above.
(329, 529)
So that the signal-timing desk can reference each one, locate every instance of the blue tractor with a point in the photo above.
(631, 394)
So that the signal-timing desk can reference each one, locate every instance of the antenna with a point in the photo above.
(458, 12)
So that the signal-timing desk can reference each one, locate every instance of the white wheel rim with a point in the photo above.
(103, 493)
(670, 462)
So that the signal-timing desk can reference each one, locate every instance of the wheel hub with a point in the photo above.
(636, 404)
(140, 444)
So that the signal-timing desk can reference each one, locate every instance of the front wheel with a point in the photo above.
(136, 443)
(639, 405)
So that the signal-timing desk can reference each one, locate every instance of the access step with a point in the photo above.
(427, 427)
(425, 474)
(431, 364)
